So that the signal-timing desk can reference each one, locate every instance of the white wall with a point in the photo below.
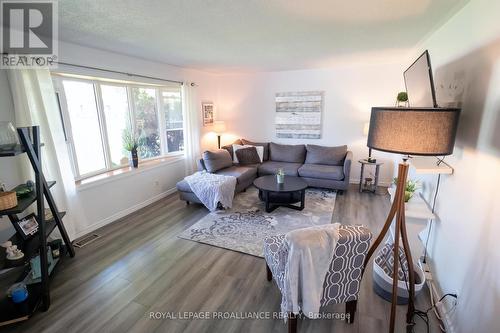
(464, 249)
(247, 104)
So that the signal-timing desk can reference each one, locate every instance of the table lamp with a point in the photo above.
(366, 128)
(219, 128)
(408, 131)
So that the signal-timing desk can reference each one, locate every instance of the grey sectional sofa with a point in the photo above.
(319, 166)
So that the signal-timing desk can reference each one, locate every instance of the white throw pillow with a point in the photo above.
(260, 152)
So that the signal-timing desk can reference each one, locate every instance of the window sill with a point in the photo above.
(127, 171)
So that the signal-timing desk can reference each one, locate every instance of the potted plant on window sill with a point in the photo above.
(131, 144)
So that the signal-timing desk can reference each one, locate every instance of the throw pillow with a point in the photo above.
(248, 155)
(260, 151)
(265, 157)
(326, 155)
(216, 160)
(229, 148)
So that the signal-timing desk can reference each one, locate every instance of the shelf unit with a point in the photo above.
(38, 293)
(429, 166)
(416, 207)
(418, 214)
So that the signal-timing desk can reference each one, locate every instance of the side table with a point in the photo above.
(371, 186)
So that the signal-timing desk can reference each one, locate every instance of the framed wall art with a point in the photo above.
(207, 110)
(298, 114)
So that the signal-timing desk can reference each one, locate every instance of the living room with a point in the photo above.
(163, 231)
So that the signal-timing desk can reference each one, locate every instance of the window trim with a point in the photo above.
(58, 79)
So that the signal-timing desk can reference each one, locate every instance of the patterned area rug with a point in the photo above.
(243, 227)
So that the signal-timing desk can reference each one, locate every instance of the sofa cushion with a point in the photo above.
(325, 155)
(242, 173)
(183, 186)
(248, 156)
(229, 149)
(287, 153)
(216, 160)
(259, 144)
(333, 172)
(271, 168)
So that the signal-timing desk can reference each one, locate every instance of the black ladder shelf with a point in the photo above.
(38, 293)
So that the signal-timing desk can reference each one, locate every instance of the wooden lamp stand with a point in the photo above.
(408, 131)
(398, 210)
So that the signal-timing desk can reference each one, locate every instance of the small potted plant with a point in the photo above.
(280, 176)
(130, 144)
(402, 99)
(411, 187)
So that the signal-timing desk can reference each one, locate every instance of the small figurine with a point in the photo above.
(13, 253)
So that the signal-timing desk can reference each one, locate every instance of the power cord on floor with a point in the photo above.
(424, 315)
(440, 160)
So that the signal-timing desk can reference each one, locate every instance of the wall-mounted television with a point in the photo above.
(420, 83)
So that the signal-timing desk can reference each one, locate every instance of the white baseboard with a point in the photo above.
(124, 213)
(380, 183)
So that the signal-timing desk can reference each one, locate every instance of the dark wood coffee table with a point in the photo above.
(275, 195)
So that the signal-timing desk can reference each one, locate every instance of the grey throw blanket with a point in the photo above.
(310, 252)
(212, 189)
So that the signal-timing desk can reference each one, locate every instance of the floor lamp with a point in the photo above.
(408, 131)
(219, 128)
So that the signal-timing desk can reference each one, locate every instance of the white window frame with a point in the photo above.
(97, 82)
(163, 123)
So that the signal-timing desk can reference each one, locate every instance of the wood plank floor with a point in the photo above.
(139, 266)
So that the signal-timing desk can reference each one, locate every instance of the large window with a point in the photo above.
(97, 112)
(147, 122)
(172, 111)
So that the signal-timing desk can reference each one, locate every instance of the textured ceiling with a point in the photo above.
(221, 35)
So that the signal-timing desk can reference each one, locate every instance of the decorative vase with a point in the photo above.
(408, 195)
(280, 179)
(8, 136)
(134, 159)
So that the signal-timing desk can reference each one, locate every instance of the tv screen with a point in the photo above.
(419, 83)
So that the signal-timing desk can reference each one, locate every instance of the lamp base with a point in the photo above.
(218, 141)
(370, 159)
(398, 211)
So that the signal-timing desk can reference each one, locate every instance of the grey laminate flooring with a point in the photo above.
(139, 266)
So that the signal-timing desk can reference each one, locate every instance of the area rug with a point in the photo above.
(244, 227)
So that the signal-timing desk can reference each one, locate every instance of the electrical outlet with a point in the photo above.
(427, 271)
(440, 306)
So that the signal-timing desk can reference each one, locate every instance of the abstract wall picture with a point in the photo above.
(298, 114)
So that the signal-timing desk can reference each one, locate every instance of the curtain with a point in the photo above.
(191, 126)
(35, 103)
